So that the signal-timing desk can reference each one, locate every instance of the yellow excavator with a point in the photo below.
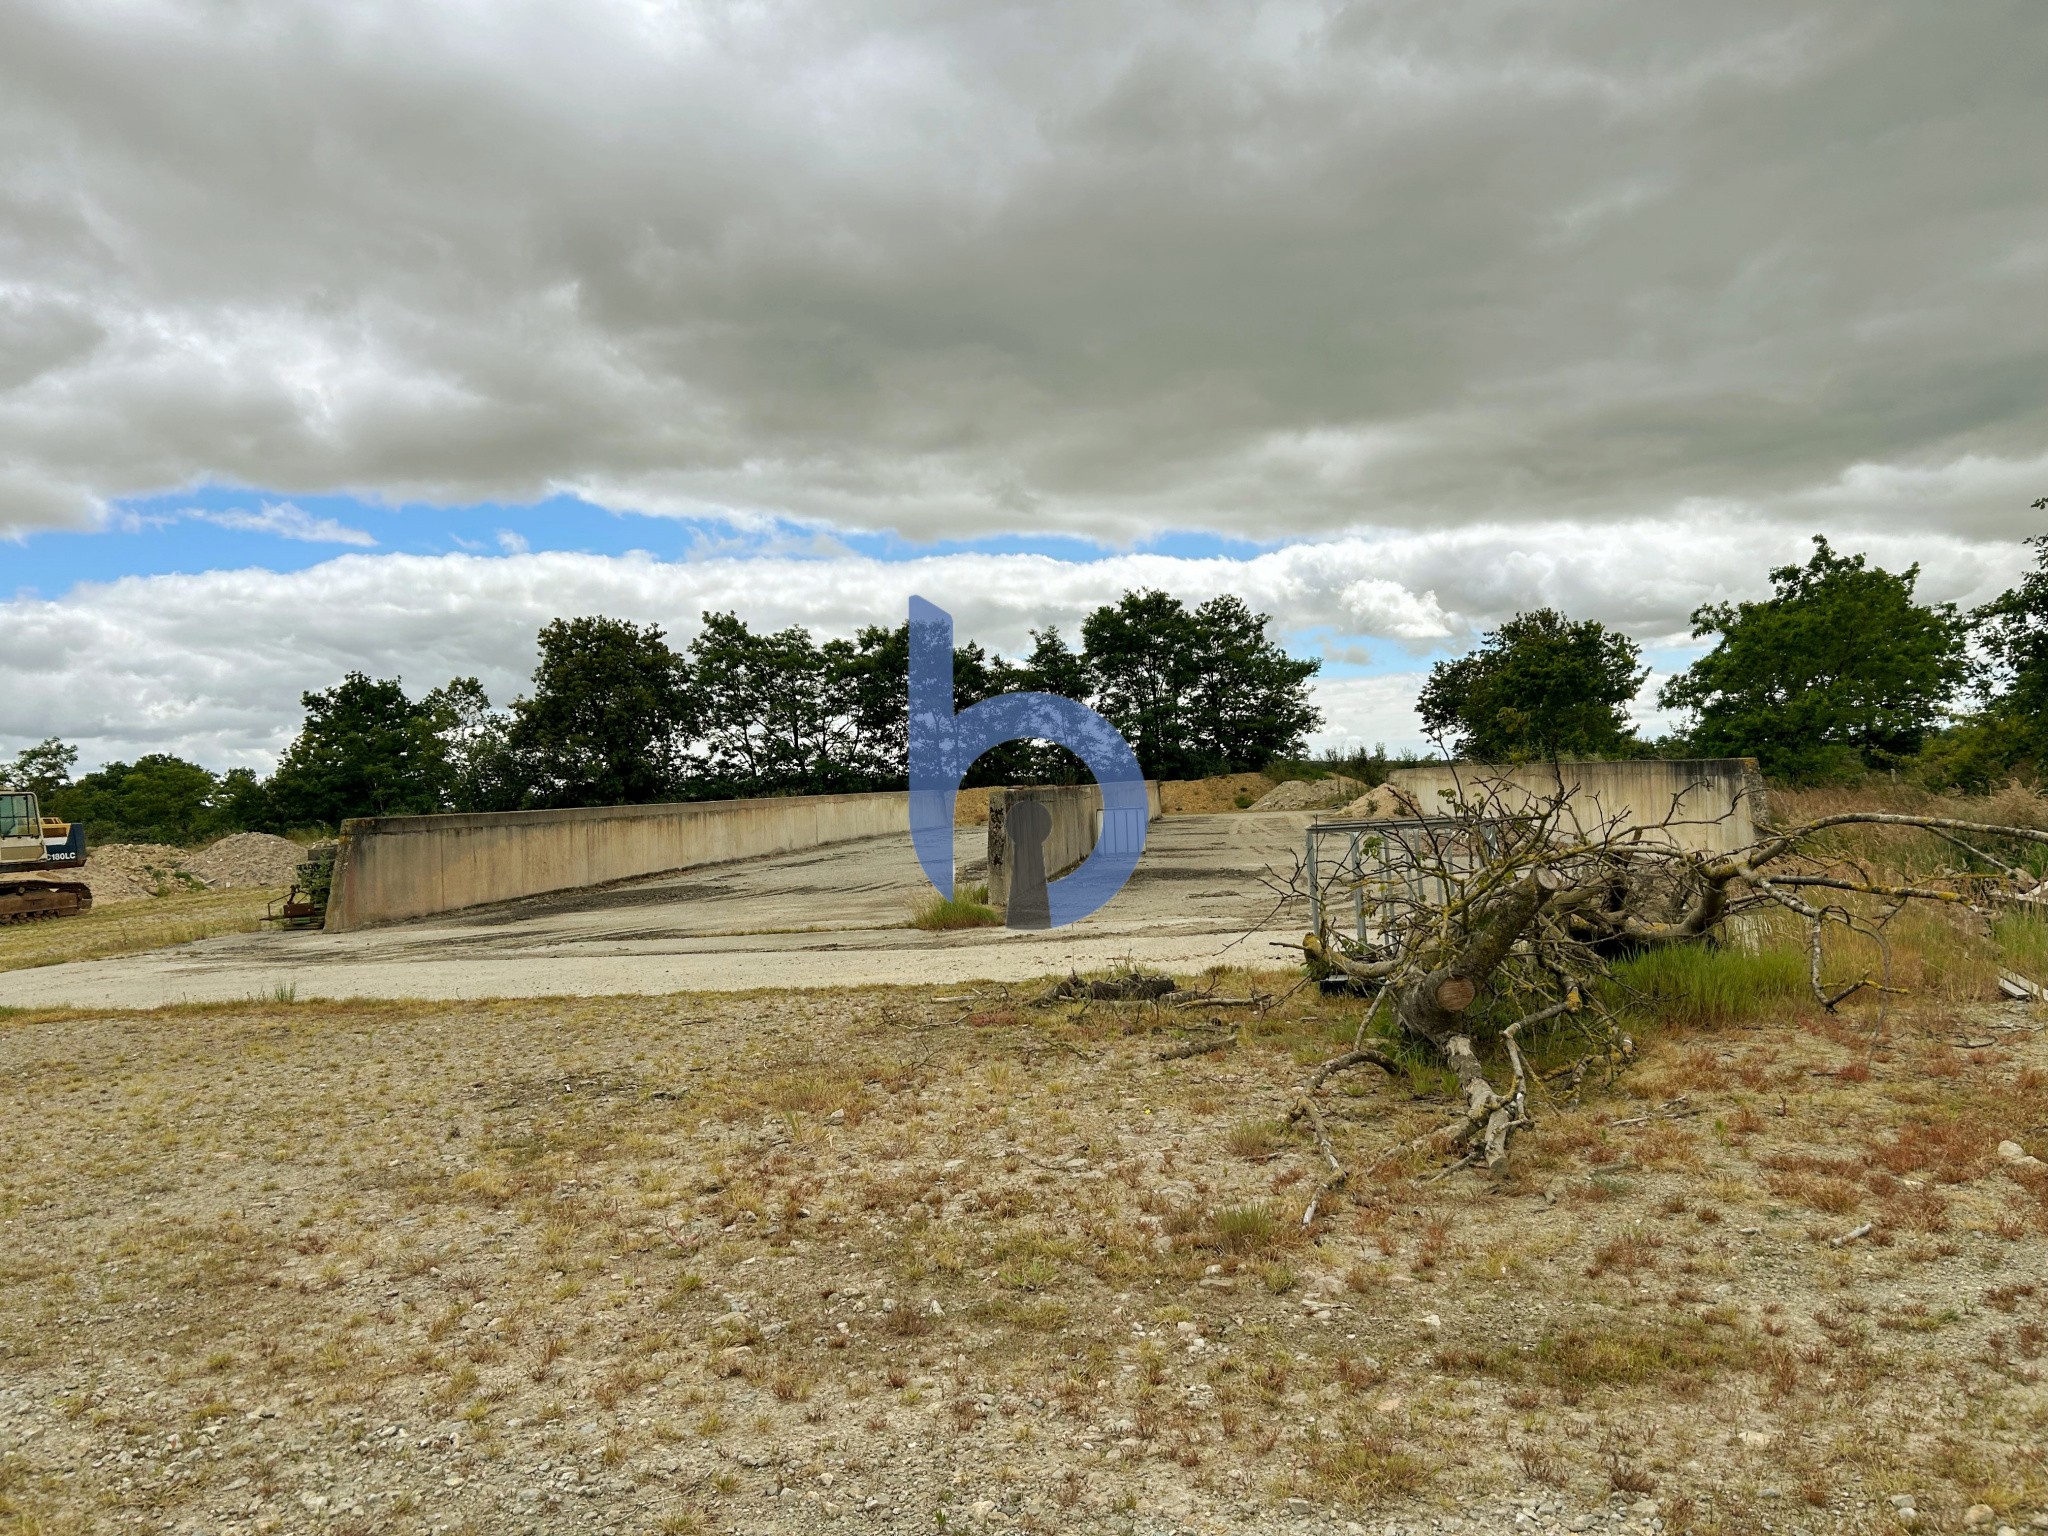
(36, 853)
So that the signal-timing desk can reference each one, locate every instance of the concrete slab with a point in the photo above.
(832, 916)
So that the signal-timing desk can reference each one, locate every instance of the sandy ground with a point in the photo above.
(896, 1261)
(825, 917)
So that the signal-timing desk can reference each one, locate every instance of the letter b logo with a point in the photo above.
(944, 744)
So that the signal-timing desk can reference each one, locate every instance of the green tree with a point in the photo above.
(2012, 630)
(43, 769)
(2010, 730)
(1196, 691)
(869, 678)
(609, 717)
(1840, 669)
(765, 721)
(365, 749)
(158, 798)
(1541, 687)
(483, 771)
(244, 802)
(1052, 667)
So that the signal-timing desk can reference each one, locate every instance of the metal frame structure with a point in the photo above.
(1364, 863)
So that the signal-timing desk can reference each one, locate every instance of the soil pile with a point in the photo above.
(244, 860)
(132, 872)
(1382, 804)
(1312, 794)
(1203, 797)
(137, 871)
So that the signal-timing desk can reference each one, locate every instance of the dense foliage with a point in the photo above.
(155, 799)
(615, 715)
(1840, 671)
(1541, 687)
(1840, 668)
(2008, 733)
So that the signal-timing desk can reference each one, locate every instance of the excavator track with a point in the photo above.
(27, 901)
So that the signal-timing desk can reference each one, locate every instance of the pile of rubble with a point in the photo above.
(138, 871)
(1382, 804)
(248, 859)
(1312, 794)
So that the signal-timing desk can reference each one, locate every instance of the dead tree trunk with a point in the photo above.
(1535, 918)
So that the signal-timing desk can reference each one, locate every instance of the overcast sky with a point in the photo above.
(373, 335)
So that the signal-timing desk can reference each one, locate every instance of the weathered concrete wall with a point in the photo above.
(1076, 811)
(1711, 805)
(390, 868)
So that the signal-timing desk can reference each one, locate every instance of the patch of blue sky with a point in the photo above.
(229, 528)
(1347, 655)
(224, 528)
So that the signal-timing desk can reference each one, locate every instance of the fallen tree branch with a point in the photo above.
(1201, 1047)
(1514, 894)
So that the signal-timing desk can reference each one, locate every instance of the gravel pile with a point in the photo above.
(1311, 794)
(246, 859)
(132, 871)
(1382, 804)
(137, 871)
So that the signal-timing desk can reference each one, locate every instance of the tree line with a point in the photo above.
(1840, 672)
(616, 715)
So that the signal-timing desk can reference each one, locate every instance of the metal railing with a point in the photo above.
(1408, 862)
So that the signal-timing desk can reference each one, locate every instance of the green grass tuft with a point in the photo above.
(967, 907)
(1702, 984)
(2022, 940)
(1248, 1228)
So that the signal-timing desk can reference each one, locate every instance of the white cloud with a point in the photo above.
(1450, 313)
(286, 522)
(1280, 270)
(1362, 713)
(212, 665)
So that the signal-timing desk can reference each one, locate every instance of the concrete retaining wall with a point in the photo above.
(1076, 823)
(1713, 805)
(390, 868)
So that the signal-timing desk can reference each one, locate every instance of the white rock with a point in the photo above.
(1757, 1439)
(2012, 1152)
(1978, 1514)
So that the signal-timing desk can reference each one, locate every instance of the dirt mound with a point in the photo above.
(1382, 804)
(133, 872)
(137, 871)
(1312, 794)
(1202, 797)
(244, 860)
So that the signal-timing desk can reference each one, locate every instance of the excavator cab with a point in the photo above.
(21, 831)
(33, 849)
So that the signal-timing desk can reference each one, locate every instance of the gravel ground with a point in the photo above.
(902, 1260)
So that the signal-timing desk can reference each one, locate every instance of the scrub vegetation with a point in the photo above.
(908, 1260)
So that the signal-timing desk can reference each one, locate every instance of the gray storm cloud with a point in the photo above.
(1279, 270)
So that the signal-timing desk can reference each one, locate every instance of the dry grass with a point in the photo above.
(130, 927)
(495, 1265)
